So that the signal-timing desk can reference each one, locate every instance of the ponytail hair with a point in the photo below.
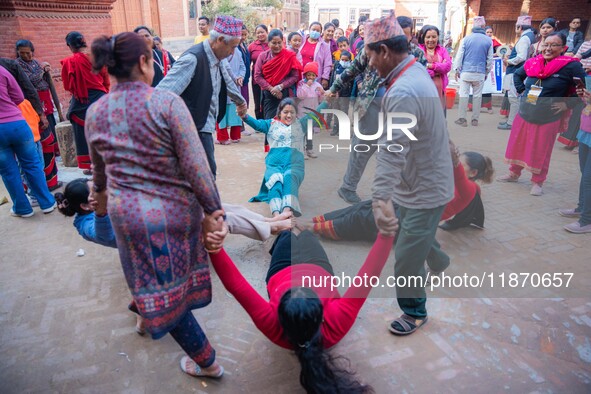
(300, 315)
(75, 193)
(482, 164)
(120, 53)
(75, 40)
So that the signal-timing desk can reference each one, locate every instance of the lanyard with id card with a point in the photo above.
(534, 92)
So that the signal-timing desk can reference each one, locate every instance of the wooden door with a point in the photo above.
(126, 15)
(155, 13)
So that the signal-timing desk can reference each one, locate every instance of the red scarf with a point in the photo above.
(165, 62)
(536, 67)
(276, 69)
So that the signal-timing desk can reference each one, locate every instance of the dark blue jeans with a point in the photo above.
(585, 187)
(16, 139)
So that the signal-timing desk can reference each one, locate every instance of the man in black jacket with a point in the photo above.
(574, 37)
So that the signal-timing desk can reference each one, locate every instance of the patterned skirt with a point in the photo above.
(161, 254)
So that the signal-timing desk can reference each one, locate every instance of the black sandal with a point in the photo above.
(408, 323)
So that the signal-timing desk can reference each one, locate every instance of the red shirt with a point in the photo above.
(307, 52)
(255, 49)
(464, 192)
(339, 313)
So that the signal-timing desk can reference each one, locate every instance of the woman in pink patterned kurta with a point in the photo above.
(145, 148)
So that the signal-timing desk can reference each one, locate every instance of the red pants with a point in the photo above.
(222, 134)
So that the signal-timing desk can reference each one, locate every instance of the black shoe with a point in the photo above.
(462, 122)
(349, 196)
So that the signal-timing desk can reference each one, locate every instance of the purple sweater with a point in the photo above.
(11, 96)
(322, 56)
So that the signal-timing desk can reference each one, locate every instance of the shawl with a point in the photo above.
(279, 67)
(78, 77)
(35, 73)
(536, 67)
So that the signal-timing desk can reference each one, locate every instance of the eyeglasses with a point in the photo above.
(553, 46)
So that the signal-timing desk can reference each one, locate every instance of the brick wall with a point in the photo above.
(47, 29)
(172, 18)
(509, 10)
(503, 15)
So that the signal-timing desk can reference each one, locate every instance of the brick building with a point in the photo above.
(291, 14)
(503, 14)
(169, 19)
(46, 23)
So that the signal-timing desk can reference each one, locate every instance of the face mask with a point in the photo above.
(314, 35)
(344, 64)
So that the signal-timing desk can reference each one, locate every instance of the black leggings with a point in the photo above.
(355, 222)
(256, 97)
(290, 249)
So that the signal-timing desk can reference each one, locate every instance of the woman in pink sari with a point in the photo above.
(438, 60)
(544, 84)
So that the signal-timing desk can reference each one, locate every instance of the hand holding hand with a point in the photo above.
(385, 217)
(214, 221)
(329, 94)
(241, 110)
(214, 242)
(98, 202)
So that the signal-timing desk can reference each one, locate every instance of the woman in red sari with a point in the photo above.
(544, 84)
(276, 70)
(86, 88)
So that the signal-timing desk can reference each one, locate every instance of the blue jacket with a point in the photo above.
(476, 47)
(578, 40)
(96, 229)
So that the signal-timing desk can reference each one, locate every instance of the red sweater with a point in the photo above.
(464, 192)
(339, 313)
(78, 77)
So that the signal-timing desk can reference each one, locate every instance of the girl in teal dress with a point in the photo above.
(284, 171)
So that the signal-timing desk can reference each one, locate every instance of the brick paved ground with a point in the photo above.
(65, 327)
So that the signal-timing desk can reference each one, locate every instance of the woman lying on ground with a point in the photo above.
(466, 209)
(93, 224)
(307, 320)
(284, 172)
(90, 219)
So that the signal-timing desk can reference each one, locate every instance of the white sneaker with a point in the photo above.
(33, 201)
(536, 190)
(16, 215)
(50, 209)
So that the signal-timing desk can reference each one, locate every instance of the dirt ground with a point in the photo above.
(65, 327)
